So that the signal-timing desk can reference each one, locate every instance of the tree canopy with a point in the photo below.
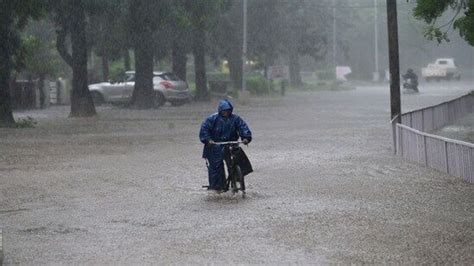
(462, 18)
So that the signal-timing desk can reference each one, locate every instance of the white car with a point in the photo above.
(442, 68)
(167, 86)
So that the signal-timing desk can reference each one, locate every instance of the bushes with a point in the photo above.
(218, 76)
(257, 85)
(117, 73)
(27, 122)
(325, 74)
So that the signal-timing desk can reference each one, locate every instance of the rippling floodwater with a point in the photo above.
(125, 187)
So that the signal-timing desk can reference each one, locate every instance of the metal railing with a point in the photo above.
(438, 116)
(450, 156)
(446, 155)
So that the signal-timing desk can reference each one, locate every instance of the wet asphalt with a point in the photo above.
(125, 187)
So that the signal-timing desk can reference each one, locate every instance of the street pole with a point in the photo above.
(394, 64)
(394, 61)
(244, 45)
(376, 33)
(334, 29)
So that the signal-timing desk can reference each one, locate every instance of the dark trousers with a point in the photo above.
(216, 171)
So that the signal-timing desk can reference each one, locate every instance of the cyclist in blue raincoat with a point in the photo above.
(219, 127)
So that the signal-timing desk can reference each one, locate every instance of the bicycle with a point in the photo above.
(235, 179)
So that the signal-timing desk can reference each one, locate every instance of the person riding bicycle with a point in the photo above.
(220, 127)
(410, 75)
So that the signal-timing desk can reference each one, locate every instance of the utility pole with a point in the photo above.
(244, 45)
(394, 61)
(376, 34)
(334, 30)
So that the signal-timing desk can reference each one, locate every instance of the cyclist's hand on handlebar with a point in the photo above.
(211, 143)
(245, 141)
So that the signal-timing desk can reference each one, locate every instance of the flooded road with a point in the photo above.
(463, 129)
(125, 187)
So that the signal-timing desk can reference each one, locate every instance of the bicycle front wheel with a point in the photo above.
(239, 178)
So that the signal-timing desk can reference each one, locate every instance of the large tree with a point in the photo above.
(226, 40)
(276, 29)
(13, 17)
(304, 33)
(145, 18)
(462, 18)
(70, 19)
(41, 57)
(180, 27)
(108, 33)
(202, 15)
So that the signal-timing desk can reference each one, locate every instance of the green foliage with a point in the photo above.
(117, 73)
(40, 57)
(465, 25)
(27, 122)
(25, 10)
(281, 27)
(430, 10)
(463, 19)
(434, 33)
(257, 85)
(107, 31)
(326, 74)
(218, 76)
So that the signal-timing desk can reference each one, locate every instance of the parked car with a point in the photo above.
(442, 68)
(166, 85)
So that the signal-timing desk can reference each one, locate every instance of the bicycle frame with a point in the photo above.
(234, 174)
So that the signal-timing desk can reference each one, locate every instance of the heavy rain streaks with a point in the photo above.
(102, 103)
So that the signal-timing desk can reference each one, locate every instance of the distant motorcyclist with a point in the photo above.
(220, 127)
(411, 80)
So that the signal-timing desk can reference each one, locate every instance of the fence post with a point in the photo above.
(423, 120)
(433, 117)
(400, 131)
(426, 150)
(446, 156)
(394, 137)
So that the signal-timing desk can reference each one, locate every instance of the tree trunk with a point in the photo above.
(235, 42)
(81, 100)
(105, 66)
(235, 69)
(143, 91)
(126, 59)
(179, 60)
(200, 64)
(6, 32)
(42, 96)
(294, 68)
(142, 97)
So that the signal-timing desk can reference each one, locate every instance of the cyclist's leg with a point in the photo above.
(216, 175)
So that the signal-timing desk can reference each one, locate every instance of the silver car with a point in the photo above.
(167, 86)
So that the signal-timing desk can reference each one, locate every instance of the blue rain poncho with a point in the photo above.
(219, 129)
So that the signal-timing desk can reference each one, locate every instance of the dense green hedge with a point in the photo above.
(258, 85)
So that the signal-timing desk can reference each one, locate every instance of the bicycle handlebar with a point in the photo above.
(228, 142)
